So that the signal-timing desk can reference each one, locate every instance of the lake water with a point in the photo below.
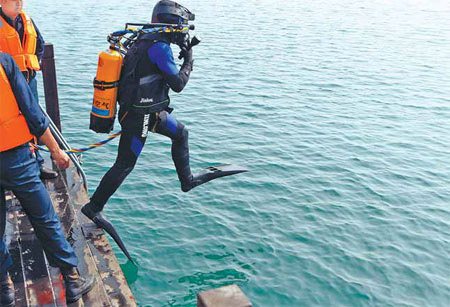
(341, 110)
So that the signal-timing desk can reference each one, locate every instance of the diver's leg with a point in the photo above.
(131, 143)
(169, 126)
(132, 140)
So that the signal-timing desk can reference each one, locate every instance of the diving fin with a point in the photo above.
(106, 225)
(214, 172)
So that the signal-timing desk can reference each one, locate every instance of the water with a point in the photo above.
(341, 110)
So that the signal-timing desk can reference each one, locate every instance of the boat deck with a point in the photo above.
(38, 284)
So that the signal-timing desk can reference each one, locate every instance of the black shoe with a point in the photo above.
(47, 173)
(97, 217)
(76, 286)
(6, 292)
(91, 213)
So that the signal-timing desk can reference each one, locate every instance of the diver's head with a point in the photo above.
(167, 11)
(11, 8)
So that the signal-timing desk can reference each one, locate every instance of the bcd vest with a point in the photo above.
(14, 130)
(23, 52)
(142, 88)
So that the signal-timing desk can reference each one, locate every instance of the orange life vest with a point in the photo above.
(24, 53)
(14, 130)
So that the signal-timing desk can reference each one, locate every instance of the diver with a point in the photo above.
(148, 72)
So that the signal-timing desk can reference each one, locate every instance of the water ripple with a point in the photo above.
(341, 111)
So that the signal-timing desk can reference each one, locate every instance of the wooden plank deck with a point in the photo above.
(38, 284)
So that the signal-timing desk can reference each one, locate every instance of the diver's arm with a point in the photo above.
(179, 81)
(161, 55)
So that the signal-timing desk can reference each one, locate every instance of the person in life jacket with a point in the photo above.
(148, 72)
(20, 37)
(21, 120)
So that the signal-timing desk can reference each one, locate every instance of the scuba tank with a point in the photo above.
(106, 84)
(109, 69)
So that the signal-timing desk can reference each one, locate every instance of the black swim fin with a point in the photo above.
(214, 172)
(106, 225)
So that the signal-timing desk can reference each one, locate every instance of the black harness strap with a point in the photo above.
(103, 85)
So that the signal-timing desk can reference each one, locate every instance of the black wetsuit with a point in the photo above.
(156, 60)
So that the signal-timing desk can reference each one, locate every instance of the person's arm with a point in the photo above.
(36, 121)
(60, 157)
(40, 43)
(161, 55)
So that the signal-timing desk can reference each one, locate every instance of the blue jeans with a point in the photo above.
(19, 173)
(33, 86)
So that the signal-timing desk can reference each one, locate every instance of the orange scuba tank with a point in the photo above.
(106, 85)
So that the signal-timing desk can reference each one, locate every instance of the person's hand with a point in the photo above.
(61, 159)
(186, 54)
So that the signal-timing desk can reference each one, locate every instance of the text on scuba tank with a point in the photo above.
(102, 104)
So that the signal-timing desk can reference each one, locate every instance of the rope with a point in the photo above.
(79, 150)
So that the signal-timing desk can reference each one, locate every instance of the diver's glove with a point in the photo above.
(188, 58)
(185, 53)
(188, 65)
